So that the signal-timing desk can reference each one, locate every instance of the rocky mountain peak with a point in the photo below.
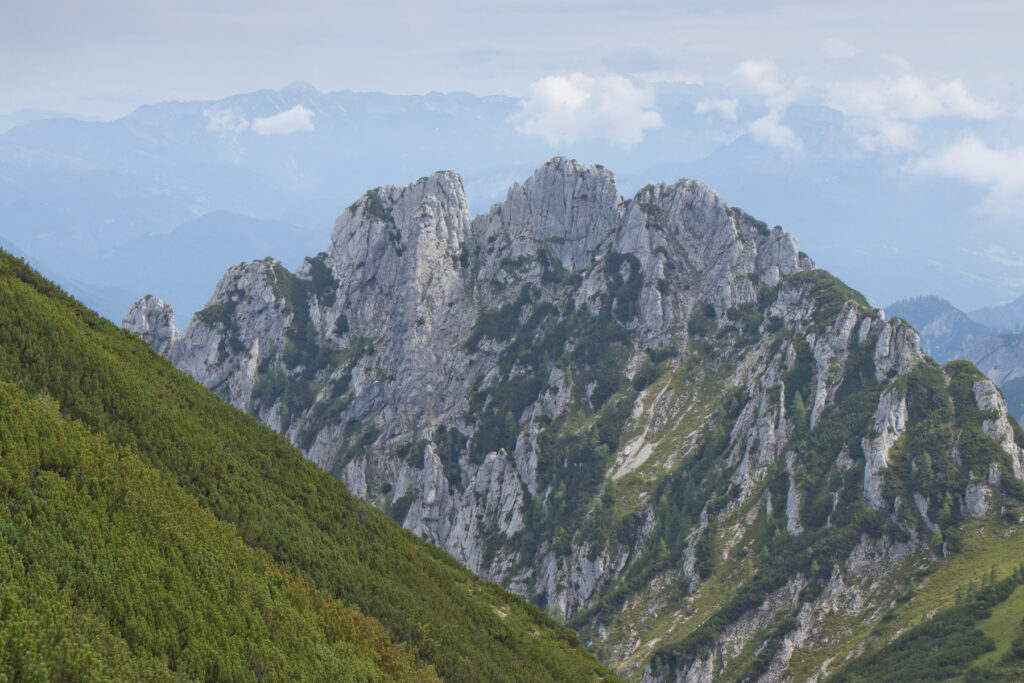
(614, 407)
(567, 206)
(398, 255)
(400, 215)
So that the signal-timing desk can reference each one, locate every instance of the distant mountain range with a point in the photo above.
(108, 207)
(23, 116)
(1006, 317)
(946, 331)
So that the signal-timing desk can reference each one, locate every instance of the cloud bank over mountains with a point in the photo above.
(884, 114)
(266, 173)
(297, 119)
(999, 171)
(583, 71)
(562, 109)
(831, 118)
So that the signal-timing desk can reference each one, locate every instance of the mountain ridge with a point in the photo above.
(1005, 317)
(617, 408)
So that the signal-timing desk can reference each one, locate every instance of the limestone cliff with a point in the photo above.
(650, 415)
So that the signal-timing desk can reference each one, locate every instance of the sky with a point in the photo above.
(581, 67)
(105, 57)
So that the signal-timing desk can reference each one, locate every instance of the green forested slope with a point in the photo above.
(949, 644)
(109, 570)
(111, 399)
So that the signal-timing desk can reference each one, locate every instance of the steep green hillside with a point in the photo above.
(108, 570)
(116, 468)
(963, 620)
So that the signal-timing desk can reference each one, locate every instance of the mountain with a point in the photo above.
(102, 299)
(23, 116)
(152, 532)
(1006, 317)
(651, 416)
(946, 331)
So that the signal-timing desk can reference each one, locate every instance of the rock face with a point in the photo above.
(997, 426)
(612, 406)
(890, 424)
(153, 320)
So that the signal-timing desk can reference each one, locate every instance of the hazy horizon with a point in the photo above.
(909, 116)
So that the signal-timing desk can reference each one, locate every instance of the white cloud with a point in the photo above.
(883, 135)
(298, 119)
(726, 108)
(668, 76)
(770, 130)
(560, 110)
(907, 97)
(225, 121)
(1014, 284)
(837, 48)
(1000, 171)
(882, 112)
(765, 78)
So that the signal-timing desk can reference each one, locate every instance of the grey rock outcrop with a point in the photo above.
(998, 428)
(977, 500)
(153, 320)
(530, 390)
(889, 424)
